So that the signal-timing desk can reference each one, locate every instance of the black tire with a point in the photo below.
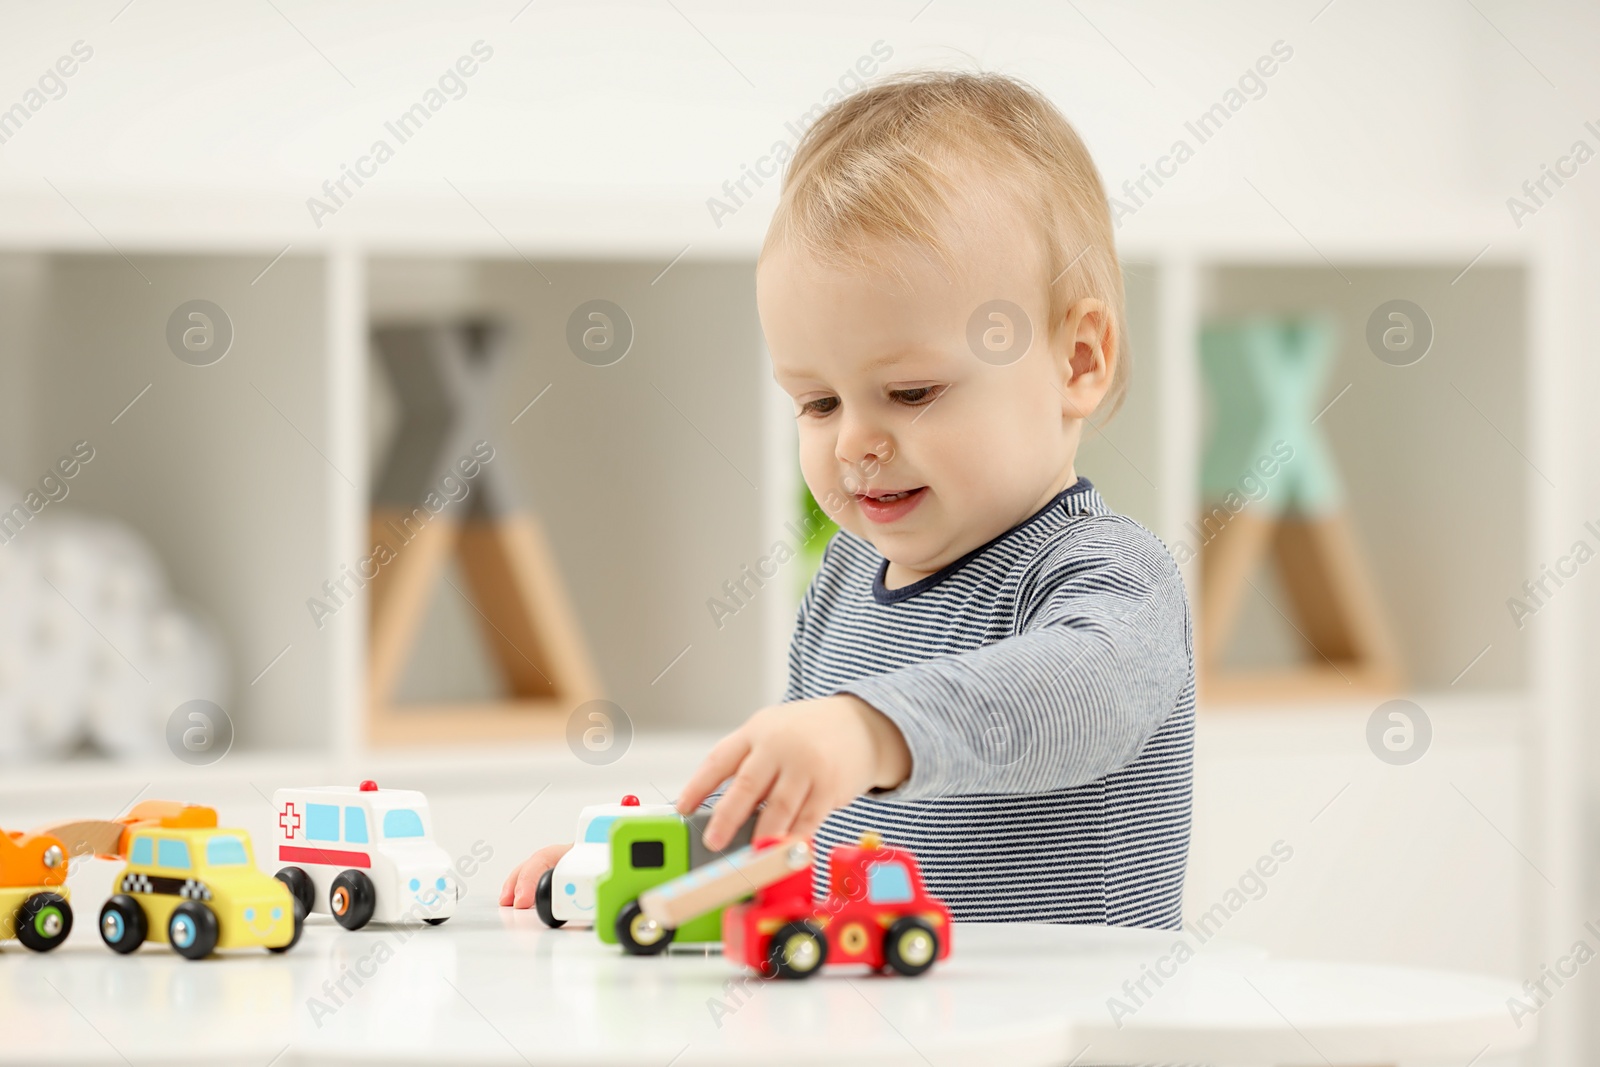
(544, 901)
(797, 950)
(43, 921)
(352, 899)
(299, 922)
(300, 884)
(123, 926)
(910, 946)
(639, 935)
(435, 922)
(192, 930)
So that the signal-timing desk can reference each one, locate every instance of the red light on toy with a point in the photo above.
(369, 786)
(630, 801)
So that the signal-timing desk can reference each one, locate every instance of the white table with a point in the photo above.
(494, 986)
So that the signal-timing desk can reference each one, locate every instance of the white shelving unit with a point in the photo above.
(1452, 469)
(250, 478)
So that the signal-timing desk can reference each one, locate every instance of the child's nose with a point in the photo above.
(864, 448)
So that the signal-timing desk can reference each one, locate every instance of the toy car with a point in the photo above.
(364, 854)
(877, 911)
(565, 893)
(645, 852)
(33, 891)
(194, 886)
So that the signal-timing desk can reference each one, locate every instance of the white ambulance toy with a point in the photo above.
(363, 854)
(565, 894)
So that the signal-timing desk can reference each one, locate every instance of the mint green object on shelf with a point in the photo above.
(1266, 378)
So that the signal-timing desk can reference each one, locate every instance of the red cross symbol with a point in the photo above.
(289, 819)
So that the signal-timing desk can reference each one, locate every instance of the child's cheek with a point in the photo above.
(820, 471)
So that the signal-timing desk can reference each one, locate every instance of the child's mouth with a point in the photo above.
(880, 506)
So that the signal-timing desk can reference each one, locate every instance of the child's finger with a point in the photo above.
(750, 784)
(723, 759)
(507, 891)
(527, 882)
(811, 814)
(523, 880)
(784, 802)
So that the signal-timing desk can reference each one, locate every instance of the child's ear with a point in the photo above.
(1086, 349)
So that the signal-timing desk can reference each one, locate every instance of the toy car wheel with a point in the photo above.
(299, 923)
(641, 935)
(352, 899)
(797, 950)
(192, 930)
(910, 946)
(122, 924)
(43, 921)
(544, 900)
(299, 883)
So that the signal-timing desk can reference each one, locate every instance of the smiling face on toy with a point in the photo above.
(579, 893)
(263, 920)
(429, 894)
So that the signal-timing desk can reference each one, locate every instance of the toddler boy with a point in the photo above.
(991, 668)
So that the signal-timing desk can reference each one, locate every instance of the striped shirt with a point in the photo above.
(1044, 684)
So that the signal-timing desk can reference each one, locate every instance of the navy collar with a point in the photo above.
(884, 595)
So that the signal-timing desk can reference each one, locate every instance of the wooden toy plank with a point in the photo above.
(87, 837)
(105, 837)
(691, 895)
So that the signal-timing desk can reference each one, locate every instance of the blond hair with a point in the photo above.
(888, 161)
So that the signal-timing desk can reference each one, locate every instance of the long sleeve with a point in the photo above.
(793, 690)
(1098, 657)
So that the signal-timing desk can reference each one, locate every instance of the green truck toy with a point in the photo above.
(647, 850)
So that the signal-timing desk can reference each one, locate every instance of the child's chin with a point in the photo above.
(898, 546)
(904, 551)
(898, 542)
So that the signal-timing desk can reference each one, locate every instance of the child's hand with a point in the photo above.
(804, 758)
(521, 882)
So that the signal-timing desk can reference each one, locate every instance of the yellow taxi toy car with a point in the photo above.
(194, 886)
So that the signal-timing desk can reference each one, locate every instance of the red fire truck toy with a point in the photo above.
(877, 911)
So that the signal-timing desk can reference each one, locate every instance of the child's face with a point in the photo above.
(890, 397)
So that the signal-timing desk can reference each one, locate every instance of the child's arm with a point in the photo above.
(1101, 657)
(520, 884)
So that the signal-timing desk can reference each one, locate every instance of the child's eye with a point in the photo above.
(922, 394)
(823, 405)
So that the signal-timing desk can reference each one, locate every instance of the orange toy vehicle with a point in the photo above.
(33, 891)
